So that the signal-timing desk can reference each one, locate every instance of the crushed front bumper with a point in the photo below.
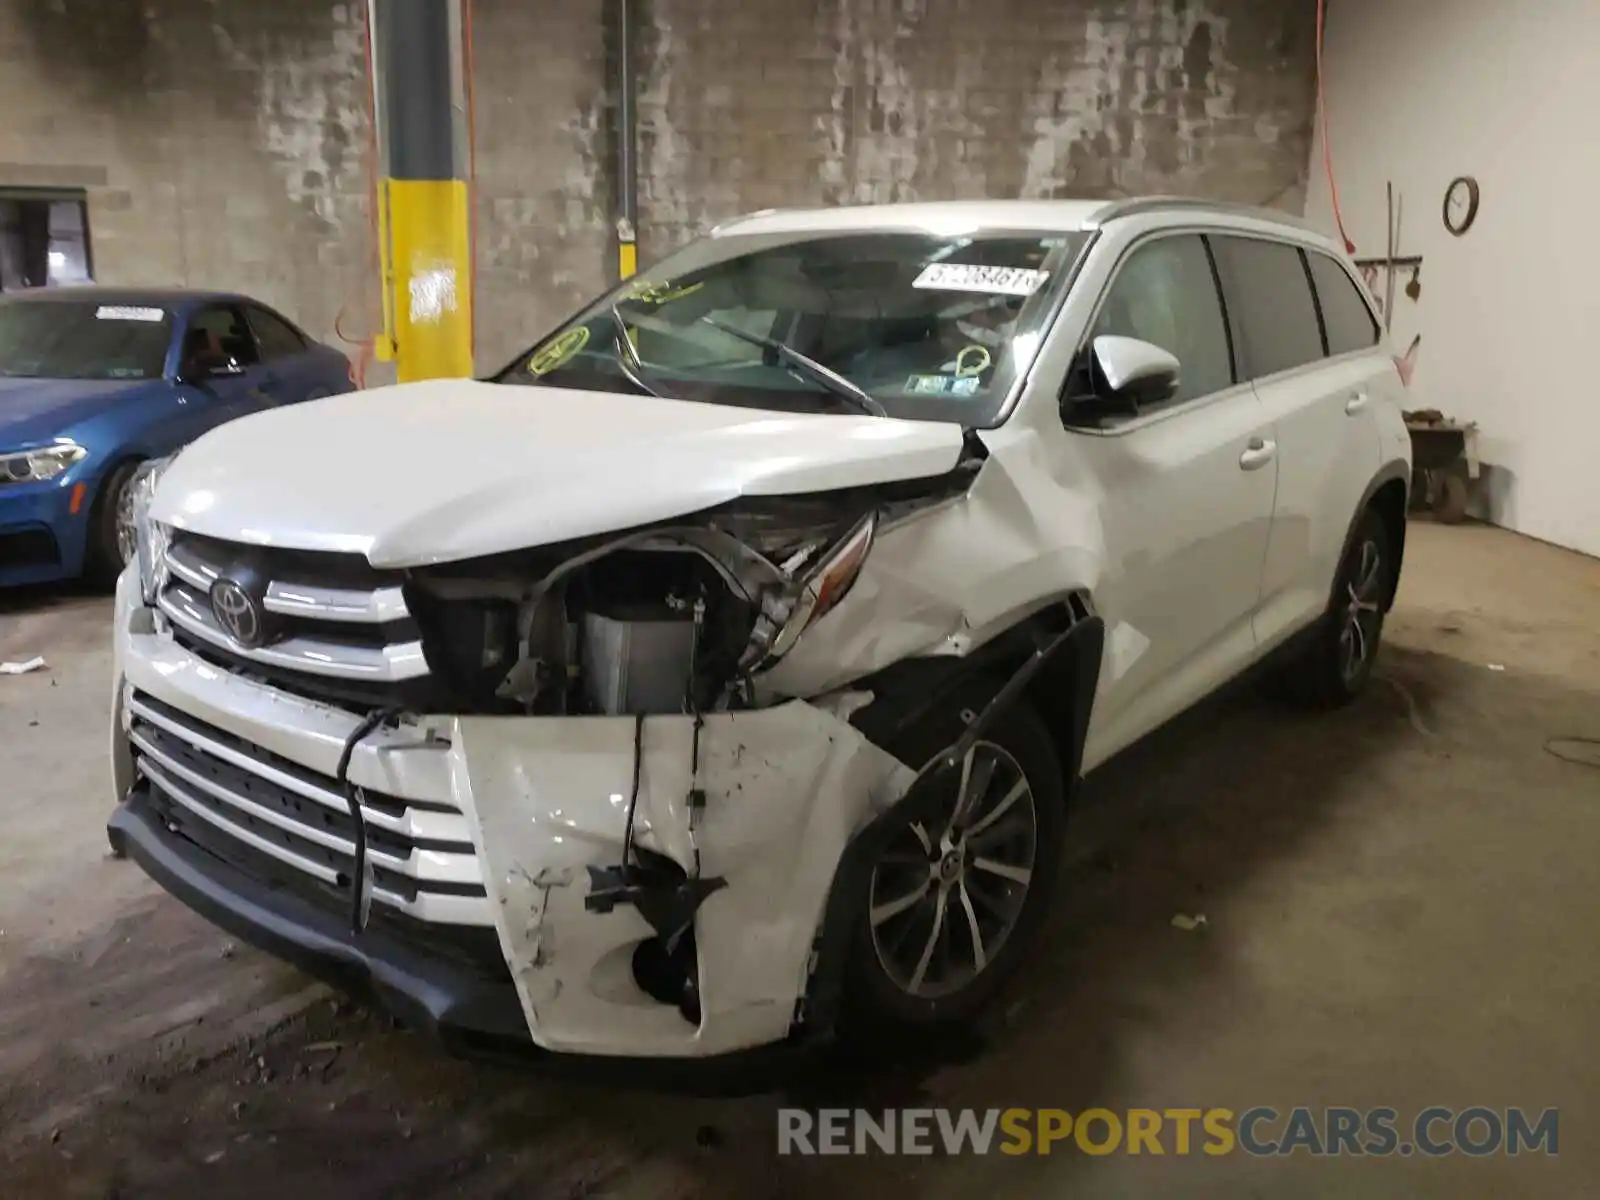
(541, 803)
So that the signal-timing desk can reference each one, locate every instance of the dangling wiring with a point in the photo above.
(360, 890)
(697, 794)
(633, 797)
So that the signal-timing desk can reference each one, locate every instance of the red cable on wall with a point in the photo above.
(1327, 146)
(365, 351)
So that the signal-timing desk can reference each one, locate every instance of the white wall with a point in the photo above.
(1418, 92)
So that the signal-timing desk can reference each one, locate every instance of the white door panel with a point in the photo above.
(1186, 526)
(1330, 449)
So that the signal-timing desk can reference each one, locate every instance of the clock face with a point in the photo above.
(1460, 205)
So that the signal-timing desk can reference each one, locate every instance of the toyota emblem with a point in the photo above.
(237, 612)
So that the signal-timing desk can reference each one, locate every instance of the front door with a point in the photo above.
(290, 372)
(1188, 499)
(221, 368)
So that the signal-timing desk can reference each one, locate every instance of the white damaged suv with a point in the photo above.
(718, 675)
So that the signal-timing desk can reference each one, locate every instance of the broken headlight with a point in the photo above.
(820, 581)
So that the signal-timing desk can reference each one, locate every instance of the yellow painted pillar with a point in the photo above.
(425, 204)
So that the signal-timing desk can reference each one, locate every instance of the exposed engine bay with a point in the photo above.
(677, 618)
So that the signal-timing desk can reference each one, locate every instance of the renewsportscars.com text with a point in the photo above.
(1476, 1131)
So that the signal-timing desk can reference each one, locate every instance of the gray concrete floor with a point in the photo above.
(1401, 905)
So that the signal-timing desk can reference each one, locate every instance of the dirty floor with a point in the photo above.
(1401, 907)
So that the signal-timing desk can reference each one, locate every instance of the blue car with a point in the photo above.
(96, 380)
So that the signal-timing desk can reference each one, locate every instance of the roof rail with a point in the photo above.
(724, 226)
(1142, 205)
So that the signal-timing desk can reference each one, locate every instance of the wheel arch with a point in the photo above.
(1389, 495)
(1051, 658)
(125, 456)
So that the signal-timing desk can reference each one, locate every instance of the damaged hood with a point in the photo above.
(447, 470)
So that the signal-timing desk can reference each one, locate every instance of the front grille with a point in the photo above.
(333, 628)
(222, 791)
(476, 948)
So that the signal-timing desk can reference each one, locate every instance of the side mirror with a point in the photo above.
(1134, 371)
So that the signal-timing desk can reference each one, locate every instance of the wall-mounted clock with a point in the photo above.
(1461, 205)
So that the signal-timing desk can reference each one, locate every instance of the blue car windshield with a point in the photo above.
(48, 338)
(912, 323)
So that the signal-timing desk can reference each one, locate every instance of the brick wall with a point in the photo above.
(223, 143)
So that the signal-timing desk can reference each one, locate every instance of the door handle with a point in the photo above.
(1355, 404)
(1258, 454)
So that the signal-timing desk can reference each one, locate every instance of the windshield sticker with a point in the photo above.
(660, 292)
(943, 385)
(120, 312)
(558, 351)
(993, 281)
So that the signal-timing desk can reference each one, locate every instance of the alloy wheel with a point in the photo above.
(943, 904)
(127, 539)
(1363, 616)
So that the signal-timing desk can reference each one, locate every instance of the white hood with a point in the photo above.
(453, 469)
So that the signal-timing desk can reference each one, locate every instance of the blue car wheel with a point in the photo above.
(112, 537)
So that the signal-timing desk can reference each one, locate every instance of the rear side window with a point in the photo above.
(1270, 304)
(278, 338)
(1345, 315)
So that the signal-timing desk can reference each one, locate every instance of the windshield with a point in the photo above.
(82, 339)
(909, 323)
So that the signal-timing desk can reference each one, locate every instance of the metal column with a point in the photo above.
(424, 204)
(627, 132)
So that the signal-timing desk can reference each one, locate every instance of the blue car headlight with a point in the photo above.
(37, 466)
(150, 536)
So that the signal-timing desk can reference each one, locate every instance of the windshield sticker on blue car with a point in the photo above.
(992, 281)
(122, 312)
(943, 385)
(558, 351)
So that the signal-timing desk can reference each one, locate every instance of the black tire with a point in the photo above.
(104, 559)
(1329, 673)
(878, 1007)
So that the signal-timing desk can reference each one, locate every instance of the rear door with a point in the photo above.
(1188, 498)
(1328, 445)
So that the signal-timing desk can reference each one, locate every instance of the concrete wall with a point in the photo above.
(1422, 92)
(223, 142)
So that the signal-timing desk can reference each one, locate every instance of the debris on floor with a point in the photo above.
(1189, 924)
(22, 668)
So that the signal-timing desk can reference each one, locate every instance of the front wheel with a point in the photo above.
(113, 539)
(958, 892)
